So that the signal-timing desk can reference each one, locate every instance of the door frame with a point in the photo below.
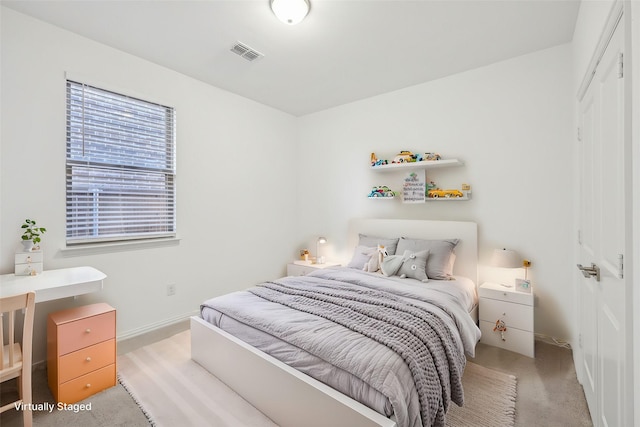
(633, 21)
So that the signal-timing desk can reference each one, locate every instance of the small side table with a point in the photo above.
(81, 351)
(515, 309)
(304, 269)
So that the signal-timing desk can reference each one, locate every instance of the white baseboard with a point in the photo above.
(157, 325)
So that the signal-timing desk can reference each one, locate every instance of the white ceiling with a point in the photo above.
(345, 50)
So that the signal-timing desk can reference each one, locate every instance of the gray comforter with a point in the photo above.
(400, 340)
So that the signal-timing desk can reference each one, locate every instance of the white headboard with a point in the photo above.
(466, 252)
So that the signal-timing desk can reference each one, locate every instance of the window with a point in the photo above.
(120, 167)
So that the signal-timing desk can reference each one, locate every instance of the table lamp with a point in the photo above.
(321, 241)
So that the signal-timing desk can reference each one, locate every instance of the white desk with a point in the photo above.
(54, 284)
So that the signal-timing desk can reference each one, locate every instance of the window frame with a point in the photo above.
(131, 185)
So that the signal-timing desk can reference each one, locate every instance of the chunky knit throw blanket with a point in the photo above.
(419, 336)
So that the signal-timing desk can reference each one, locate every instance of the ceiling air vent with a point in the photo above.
(246, 52)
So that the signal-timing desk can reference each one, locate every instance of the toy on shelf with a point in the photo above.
(404, 157)
(438, 192)
(434, 192)
(376, 162)
(381, 191)
(431, 157)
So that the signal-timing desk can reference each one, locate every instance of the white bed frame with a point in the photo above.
(289, 397)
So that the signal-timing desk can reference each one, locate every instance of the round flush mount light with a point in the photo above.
(290, 12)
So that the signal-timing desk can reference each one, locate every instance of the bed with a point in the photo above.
(327, 362)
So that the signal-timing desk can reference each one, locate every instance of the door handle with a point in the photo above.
(593, 271)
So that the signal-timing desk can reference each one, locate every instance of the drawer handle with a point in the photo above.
(88, 385)
(88, 330)
(88, 359)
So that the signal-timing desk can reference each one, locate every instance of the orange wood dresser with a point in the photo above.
(81, 351)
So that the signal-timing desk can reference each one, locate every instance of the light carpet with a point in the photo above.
(171, 389)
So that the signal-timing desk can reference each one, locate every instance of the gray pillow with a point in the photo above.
(414, 265)
(439, 263)
(361, 256)
(373, 241)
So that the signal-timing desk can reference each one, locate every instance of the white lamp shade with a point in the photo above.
(322, 240)
(506, 258)
(290, 12)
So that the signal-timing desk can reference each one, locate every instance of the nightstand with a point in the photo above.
(304, 269)
(499, 302)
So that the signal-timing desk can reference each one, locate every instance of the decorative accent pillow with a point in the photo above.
(361, 256)
(439, 263)
(410, 264)
(414, 265)
(373, 241)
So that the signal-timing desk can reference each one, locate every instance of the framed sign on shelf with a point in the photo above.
(414, 187)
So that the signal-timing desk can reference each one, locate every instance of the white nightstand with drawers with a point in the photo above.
(500, 302)
(304, 269)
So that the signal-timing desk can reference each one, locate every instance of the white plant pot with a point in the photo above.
(27, 245)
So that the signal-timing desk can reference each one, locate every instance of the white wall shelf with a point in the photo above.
(426, 164)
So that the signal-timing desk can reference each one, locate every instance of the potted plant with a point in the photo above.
(31, 234)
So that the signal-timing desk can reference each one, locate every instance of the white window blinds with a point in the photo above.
(120, 167)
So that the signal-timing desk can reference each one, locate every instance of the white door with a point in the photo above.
(602, 239)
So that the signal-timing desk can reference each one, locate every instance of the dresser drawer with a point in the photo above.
(27, 257)
(85, 332)
(83, 361)
(516, 340)
(86, 385)
(514, 315)
(496, 291)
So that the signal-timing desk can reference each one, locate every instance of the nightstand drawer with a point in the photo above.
(516, 340)
(86, 360)
(85, 332)
(82, 387)
(298, 270)
(495, 291)
(514, 315)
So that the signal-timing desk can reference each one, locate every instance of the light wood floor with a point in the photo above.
(548, 391)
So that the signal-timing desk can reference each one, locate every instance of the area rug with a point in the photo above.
(173, 390)
(489, 399)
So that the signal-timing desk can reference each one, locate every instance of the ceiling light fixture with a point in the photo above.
(290, 12)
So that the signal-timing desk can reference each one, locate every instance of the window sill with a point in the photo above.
(110, 247)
